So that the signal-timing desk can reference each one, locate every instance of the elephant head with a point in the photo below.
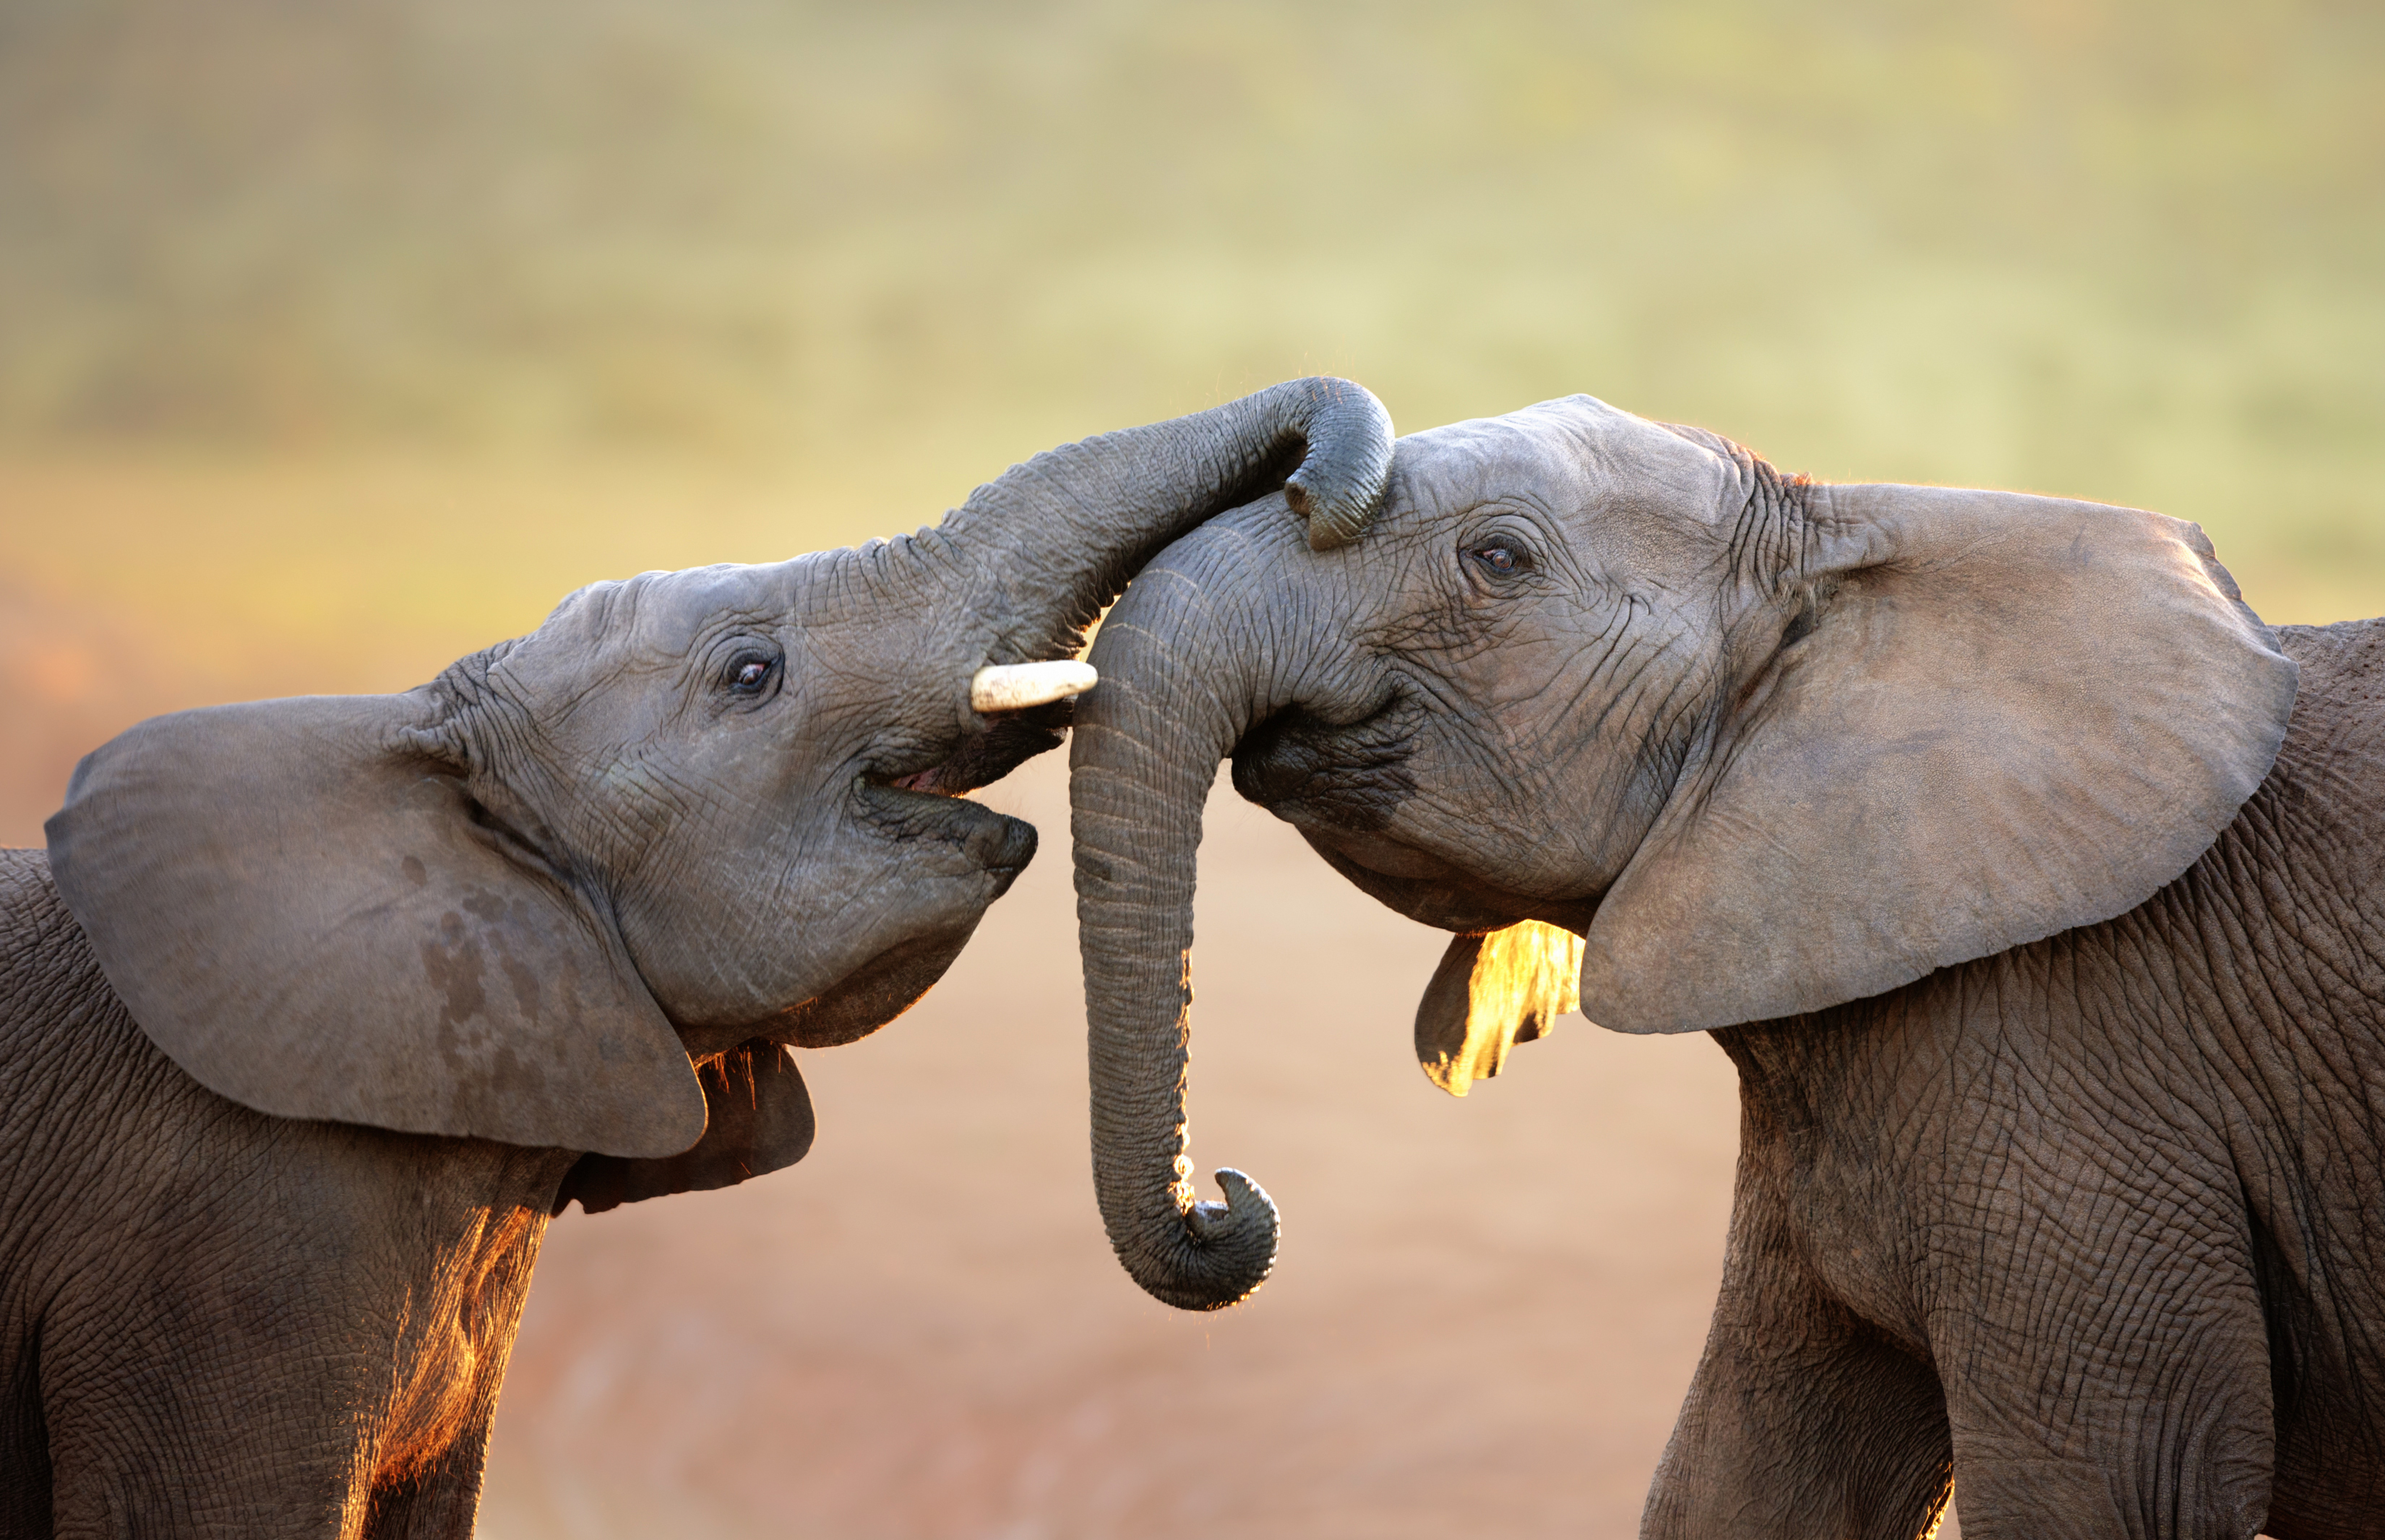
(586, 881)
(1727, 746)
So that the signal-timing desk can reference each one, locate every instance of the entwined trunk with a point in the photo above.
(1182, 684)
(1036, 553)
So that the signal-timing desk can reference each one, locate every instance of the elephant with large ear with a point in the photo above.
(315, 1009)
(2036, 888)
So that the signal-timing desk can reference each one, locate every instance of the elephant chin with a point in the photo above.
(1433, 892)
(871, 996)
(857, 1005)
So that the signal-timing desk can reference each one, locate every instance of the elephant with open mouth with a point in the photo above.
(2035, 887)
(315, 1009)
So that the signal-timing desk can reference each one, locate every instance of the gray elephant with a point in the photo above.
(2041, 913)
(316, 1009)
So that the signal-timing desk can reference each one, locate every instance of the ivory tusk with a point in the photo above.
(1016, 686)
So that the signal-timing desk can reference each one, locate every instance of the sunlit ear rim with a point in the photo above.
(1016, 686)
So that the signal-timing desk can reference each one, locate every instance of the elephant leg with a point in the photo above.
(202, 1439)
(318, 1401)
(440, 1501)
(206, 1458)
(1803, 1420)
(168, 1413)
(435, 1442)
(2103, 1385)
(2133, 1476)
(2049, 1448)
(24, 1438)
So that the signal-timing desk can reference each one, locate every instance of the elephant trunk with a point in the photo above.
(1177, 694)
(1039, 551)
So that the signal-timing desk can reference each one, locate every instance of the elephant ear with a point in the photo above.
(303, 907)
(1998, 718)
(758, 1119)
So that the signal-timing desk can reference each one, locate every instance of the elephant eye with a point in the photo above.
(1502, 558)
(748, 674)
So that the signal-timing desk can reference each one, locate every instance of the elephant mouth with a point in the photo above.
(1348, 777)
(982, 758)
(960, 858)
(1344, 786)
(986, 842)
(962, 855)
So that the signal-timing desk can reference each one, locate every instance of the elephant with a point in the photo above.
(315, 1011)
(2033, 885)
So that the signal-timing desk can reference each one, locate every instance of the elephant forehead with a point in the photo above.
(1575, 453)
(651, 623)
(668, 611)
(671, 609)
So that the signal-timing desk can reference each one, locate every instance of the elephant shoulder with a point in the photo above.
(46, 967)
(2314, 836)
(2335, 746)
(2343, 666)
(64, 1034)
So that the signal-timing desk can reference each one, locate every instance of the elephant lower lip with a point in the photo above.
(1004, 849)
(994, 843)
(906, 813)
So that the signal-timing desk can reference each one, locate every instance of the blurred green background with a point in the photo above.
(338, 339)
(2125, 251)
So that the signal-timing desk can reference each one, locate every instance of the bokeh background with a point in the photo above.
(337, 340)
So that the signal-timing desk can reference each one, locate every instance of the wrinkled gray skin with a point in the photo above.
(2035, 888)
(315, 1011)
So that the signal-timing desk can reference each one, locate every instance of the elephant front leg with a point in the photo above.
(2103, 1408)
(1803, 1422)
(433, 1440)
(441, 1499)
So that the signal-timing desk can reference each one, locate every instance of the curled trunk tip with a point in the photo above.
(1348, 465)
(1217, 1255)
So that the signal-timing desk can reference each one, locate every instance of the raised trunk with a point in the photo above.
(1031, 559)
(1039, 551)
(1177, 693)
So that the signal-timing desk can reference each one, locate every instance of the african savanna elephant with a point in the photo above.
(1988, 834)
(315, 1011)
